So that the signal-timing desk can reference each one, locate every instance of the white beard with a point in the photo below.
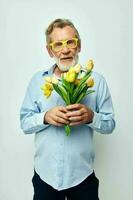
(65, 68)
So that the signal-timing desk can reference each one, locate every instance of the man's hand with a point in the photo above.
(79, 114)
(56, 116)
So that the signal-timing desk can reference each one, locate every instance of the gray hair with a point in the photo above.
(60, 23)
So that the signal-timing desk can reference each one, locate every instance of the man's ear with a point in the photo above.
(79, 48)
(49, 51)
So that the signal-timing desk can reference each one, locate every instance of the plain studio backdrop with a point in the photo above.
(106, 33)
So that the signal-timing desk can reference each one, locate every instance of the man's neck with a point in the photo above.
(57, 71)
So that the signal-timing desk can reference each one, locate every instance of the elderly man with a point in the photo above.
(64, 165)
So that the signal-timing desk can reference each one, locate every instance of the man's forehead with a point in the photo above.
(64, 33)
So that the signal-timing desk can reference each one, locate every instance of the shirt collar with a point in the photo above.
(50, 71)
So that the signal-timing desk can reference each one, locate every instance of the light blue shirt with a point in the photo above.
(64, 161)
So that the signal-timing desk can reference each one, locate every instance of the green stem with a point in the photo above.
(67, 130)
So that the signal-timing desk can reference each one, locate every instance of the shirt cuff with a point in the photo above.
(96, 121)
(40, 120)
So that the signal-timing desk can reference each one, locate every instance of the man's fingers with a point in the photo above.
(75, 113)
(55, 123)
(75, 123)
(60, 120)
(62, 109)
(62, 115)
(73, 106)
(75, 119)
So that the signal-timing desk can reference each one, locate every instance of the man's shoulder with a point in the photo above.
(97, 76)
(38, 77)
(41, 73)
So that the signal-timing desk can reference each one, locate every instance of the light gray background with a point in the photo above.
(106, 32)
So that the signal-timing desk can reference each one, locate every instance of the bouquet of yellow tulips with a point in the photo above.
(73, 85)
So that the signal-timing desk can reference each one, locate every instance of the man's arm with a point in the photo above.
(31, 116)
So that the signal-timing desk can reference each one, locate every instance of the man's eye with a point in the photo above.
(70, 42)
(58, 44)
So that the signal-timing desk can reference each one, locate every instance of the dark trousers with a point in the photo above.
(87, 190)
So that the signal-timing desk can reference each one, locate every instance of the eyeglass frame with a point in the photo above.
(64, 43)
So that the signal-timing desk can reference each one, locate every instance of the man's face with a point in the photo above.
(65, 56)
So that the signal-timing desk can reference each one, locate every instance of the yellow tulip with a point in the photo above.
(90, 82)
(77, 68)
(47, 93)
(89, 65)
(48, 86)
(47, 89)
(70, 76)
(71, 70)
(48, 79)
(54, 80)
(76, 82)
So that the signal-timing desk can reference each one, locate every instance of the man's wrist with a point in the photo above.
(90, 118)
(44, 119)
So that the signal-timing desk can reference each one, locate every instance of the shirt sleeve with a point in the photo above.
(103, 120)
(31, 116)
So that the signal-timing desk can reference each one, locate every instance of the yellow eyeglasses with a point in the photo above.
(59, 45)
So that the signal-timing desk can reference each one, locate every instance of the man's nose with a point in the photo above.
(65, 49)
